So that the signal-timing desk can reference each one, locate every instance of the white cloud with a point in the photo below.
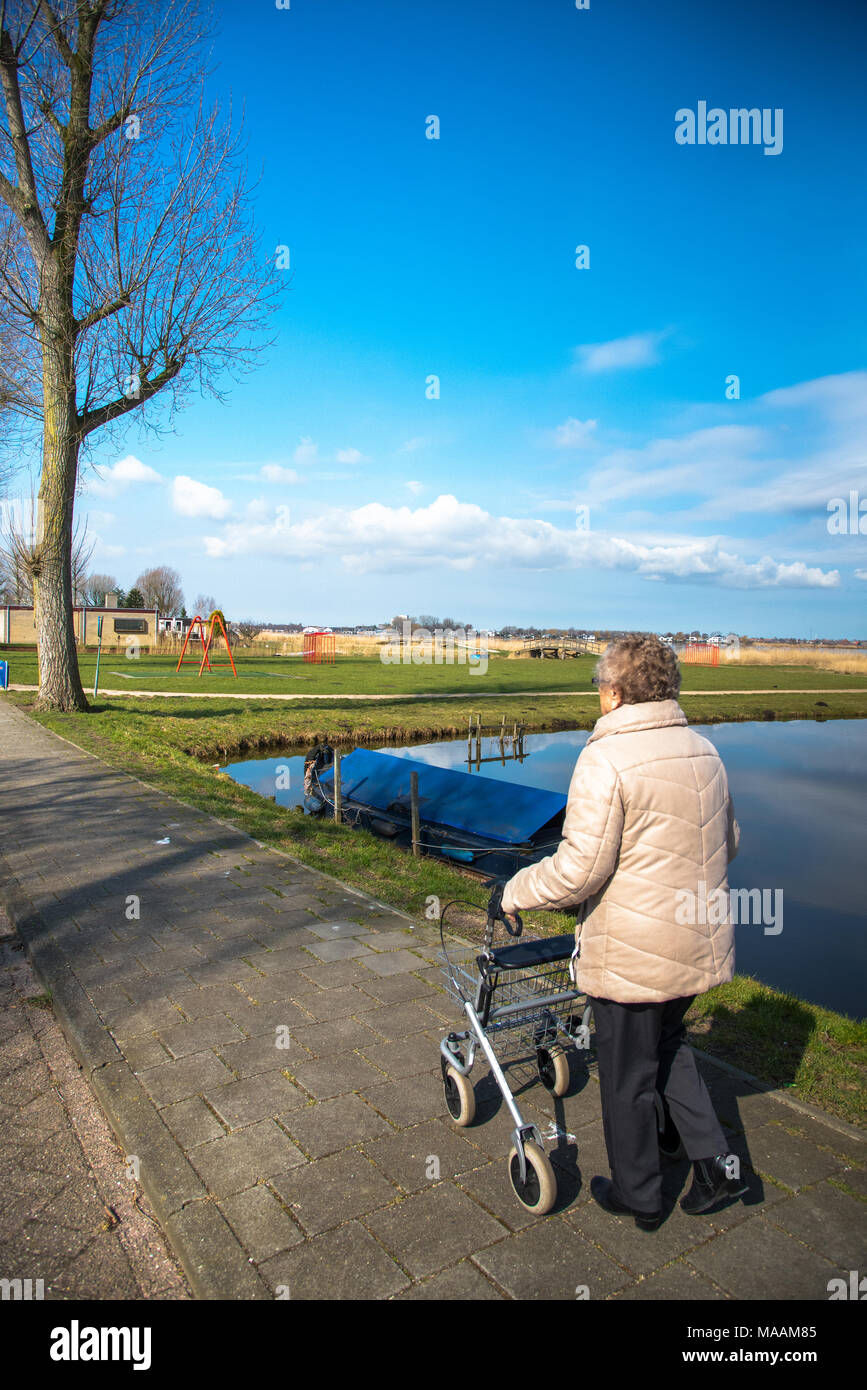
(191, 498)
(275, 473)
(572, 434)
(414, 487)
(108, 482)
(638, 350)
(307, 451)
(462, 536)
(861, 574)
(351, 456)
(418, 441)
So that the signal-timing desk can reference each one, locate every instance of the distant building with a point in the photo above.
(120, 625)
(175, 627)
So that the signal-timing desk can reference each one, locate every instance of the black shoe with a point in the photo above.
(602, 1191)
(710, 1185)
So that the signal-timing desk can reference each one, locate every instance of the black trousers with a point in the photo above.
(642, 1051)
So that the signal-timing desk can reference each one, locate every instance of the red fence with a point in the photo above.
(700, 654)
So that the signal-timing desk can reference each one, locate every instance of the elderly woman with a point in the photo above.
(648, 819)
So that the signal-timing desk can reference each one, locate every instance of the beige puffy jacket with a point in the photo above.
(648, 816)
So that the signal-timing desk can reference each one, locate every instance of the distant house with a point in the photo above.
(120, 626)
(176, 627)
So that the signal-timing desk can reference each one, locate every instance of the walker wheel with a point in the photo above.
(460, 1096)
(539, 1193)
(553, 1065)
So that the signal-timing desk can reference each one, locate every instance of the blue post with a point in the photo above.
(4, 675)
(98, 653)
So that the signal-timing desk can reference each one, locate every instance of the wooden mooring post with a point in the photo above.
(338, 797)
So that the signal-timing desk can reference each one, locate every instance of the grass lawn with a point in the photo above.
(173, 745)
(263, 675)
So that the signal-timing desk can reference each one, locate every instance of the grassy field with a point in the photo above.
(263, 675)
(174, 745)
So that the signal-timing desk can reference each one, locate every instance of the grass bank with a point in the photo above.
(819, 1055)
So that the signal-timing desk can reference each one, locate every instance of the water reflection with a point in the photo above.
(799, 796)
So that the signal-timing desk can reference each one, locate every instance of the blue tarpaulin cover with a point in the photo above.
(501, 811)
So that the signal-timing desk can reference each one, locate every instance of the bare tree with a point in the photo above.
(129, 269)
(204, 605)
(95, 587)
(161, 588)
(245, 632)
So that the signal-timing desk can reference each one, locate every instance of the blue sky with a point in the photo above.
(332, 489)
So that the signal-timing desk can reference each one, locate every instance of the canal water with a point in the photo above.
(799, 795)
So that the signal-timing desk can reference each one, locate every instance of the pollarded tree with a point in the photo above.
(129, 270)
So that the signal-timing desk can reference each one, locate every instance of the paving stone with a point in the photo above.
(335, 974)
(432, 1229)
(150, 987)
(255, 1098)
(338, 1003)
(334, 1076)
(259, 1054)
(258, 1019)
(396, 1021)
(641, 1252)
(405, 1156)
(393, 940)
(278, 962)
(852, 1177)
(198, 1001)
(337, 930)
(235, 1162)
(340, 950)
(409, 1102)
(187, 1038)
(260, 1223)
(343, 1264)
(332, 1190)
(392, 963)
(225, 972)
(338, 1035)
(190, 1076)
(192, 1122)
(551, 1261)
(394, 989)
(146, 1018)
(677, 1283)
(329, 1125)
(463, 1283)
(792, 1159)
(408, 1057)
(274, 989)
(755, 1260)
(827, 1220)
(144, 1052)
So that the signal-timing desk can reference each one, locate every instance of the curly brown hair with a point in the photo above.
(641, 667)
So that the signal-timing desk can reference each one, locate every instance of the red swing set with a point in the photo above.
(215, 625)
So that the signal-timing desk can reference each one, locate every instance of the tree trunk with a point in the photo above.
(60, 685)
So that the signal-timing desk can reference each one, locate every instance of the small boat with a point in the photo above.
(486, 825)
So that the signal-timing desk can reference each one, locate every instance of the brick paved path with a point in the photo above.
(264, 1041)
(69, 1214)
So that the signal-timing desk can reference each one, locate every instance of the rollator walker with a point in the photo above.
(520, 1004)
